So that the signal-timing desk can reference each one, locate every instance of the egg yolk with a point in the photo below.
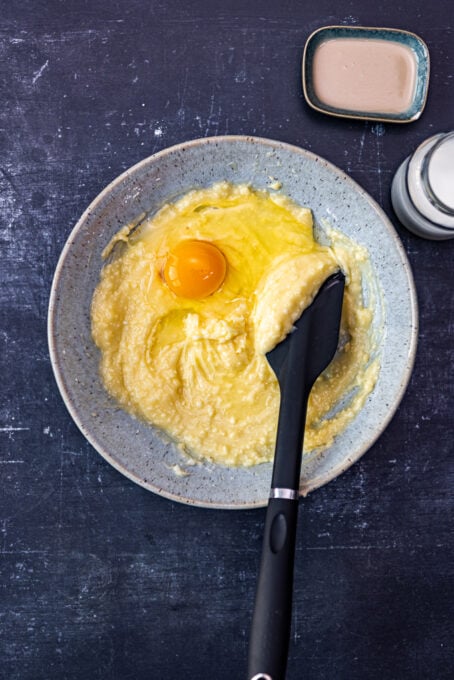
(195, 269)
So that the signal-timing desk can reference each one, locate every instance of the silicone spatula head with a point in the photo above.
(297, 362)
(316, 331)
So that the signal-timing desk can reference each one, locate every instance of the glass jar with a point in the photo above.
(422, 191)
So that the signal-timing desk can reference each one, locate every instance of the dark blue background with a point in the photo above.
(101, 579)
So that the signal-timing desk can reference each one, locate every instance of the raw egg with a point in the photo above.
(195, 269)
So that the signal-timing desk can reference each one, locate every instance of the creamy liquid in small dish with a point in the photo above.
(374, 76)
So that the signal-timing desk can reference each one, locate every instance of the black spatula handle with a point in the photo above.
(270, 633)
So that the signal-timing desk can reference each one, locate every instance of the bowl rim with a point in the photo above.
(322, 479)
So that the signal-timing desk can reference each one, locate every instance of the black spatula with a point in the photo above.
(297, 361)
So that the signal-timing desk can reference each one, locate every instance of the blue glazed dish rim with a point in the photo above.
(407, 38)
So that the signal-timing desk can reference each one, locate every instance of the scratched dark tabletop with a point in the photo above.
(101, 579)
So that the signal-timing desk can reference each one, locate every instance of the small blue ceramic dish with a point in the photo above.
(410, 60)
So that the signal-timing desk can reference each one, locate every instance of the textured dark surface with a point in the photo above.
(99, 578)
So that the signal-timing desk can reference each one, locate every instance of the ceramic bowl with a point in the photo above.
(140, 451)
(417, 46)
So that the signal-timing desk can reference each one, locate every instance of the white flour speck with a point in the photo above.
(37, 75)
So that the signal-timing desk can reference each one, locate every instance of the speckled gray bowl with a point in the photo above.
(141, 452)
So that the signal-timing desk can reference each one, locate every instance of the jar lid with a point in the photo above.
(426, 193)
(408, 214)
(438, 172)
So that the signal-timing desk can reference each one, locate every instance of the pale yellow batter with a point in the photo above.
(188, 354)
